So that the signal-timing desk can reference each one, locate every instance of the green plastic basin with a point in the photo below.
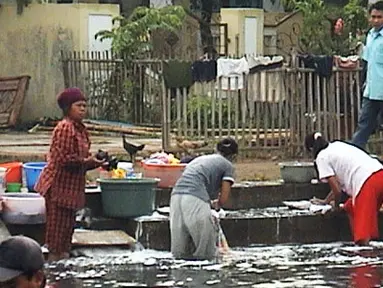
(127, 198)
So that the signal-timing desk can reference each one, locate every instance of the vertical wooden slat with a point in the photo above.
(319, 100)
(140, 95)
(304, 106)
(258, 104)
(178, 104)
(289, 114)
(205, 88)
(300, 111)
(281, 98)
(185, 111)
(243, 103)
(109, 78)
(84, 72)
(352, 95)
(266, 114)
(169, 116)
(100, 93)
(91, 84)
(311, 113)
(150, 90)
(250, 93)
(236, 108)
(72, 69)
(345, 104)
(199, 98)
(228, 99)
(331, 106)
(193, 94)
(273, 105)
(337, 96)
(325, 110)
(213, 108)
(165, 132)
(358, 90)
(75, 77)
(220, 107)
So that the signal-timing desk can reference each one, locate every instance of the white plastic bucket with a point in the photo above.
(3, 172)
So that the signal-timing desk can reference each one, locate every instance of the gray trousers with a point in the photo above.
(192, 230)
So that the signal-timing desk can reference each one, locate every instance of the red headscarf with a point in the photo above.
(69, 96)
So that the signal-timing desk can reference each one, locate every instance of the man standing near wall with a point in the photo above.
(372, 103)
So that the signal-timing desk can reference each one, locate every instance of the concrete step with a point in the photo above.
(245, 195)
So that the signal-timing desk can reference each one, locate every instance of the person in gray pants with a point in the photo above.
(204, 184)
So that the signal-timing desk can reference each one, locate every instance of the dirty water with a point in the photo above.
(316, 265)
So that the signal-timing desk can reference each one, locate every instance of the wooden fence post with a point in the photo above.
(165, 117)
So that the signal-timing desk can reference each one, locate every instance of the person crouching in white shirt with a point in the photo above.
(349, 169)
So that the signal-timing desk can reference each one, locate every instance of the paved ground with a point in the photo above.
(33, 147)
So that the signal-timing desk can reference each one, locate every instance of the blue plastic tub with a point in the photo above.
(32, 173)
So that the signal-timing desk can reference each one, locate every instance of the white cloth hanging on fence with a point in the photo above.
(231, 72)
(255, 61)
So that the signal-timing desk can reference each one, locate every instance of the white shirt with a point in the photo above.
(351, 166)
(230, 70)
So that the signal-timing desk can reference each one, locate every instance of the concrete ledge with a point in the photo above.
(259, 195)
(242, 232)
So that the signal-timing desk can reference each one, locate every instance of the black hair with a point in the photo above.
(227, 147)
(315, 145)
(377, 6)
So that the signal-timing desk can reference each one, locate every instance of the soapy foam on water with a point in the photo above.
(296, 265)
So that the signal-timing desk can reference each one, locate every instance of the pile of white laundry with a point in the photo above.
(307, 205)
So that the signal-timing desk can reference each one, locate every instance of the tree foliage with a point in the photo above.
(318, 34)
(131, 37)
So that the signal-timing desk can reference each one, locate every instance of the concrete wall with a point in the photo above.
(31, 44)
(235, 18)
(188, 45)
(288, 33)
(282, 32)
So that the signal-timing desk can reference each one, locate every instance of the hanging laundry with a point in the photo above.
(267, 87)
(260, 63)
(204, 70)
(322, 64)
(232, 73)
(177, 73)
(350, 62)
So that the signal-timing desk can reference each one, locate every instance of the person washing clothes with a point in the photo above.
(62, 181)
(349, 169)
(205, 184)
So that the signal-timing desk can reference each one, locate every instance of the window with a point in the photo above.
(242, 3)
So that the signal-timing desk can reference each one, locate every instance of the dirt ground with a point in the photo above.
(254, 169)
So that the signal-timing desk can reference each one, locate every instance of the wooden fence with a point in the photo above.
(274, 110)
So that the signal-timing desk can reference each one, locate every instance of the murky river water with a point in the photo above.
(318, 265)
